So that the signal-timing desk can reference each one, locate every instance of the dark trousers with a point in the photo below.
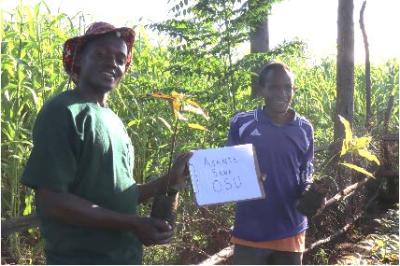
(257, 256)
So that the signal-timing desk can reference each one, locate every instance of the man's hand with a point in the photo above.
(172, 180)
(311, 200)
(179, 171)
(152, 231)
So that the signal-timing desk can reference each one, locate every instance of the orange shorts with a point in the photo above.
(294, 243)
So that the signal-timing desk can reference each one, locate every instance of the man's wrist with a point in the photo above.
(130, 221)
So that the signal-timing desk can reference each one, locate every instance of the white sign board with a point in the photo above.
(225, 174)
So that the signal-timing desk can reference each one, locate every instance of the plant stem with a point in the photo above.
(172, 150)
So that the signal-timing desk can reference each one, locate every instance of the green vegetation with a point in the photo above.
(32, 71)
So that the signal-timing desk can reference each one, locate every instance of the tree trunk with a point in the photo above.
(344, 88)
(344, 70)
(259, 38)
(259, 43)
(345, 66)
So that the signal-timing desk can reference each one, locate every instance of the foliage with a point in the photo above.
(214, 26)
(179, 103)
(204, 30)
(355, 145)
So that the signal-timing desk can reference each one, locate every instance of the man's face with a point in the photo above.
(278, 90)
(103, 63)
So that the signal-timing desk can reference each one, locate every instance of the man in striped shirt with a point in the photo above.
(272, 230)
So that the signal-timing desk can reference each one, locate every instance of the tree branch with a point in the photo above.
(367, 69)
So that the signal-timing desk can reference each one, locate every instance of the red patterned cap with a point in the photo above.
(73, 47)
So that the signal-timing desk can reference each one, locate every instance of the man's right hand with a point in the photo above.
(151, 231)
(71, 209)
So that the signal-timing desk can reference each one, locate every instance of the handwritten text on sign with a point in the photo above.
(225, 174)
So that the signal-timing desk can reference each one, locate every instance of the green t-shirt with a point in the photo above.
(84, 149)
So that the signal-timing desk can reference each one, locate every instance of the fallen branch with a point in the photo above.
(330, 238)
(18, 224)
(344, 193)
(345, 228)
(219, 257)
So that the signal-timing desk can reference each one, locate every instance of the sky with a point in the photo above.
(313, 21)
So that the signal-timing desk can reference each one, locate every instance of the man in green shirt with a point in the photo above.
(81, 163)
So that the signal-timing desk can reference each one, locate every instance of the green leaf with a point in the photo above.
(28, 205)
(132, 122)
(358, 169)
(345, 147)
(197, 126)
(196, 110)
(165, 123)
(361, 143)
(180, 116)
(368, 155)
(348, 135)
